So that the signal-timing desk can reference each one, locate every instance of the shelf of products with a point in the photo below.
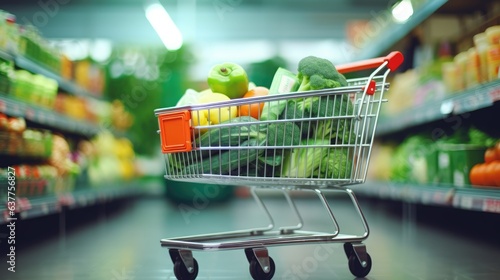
(61, 141)
(433, 146)
(477, 199)
(31, 143)
(469, 100)
(46, 117)
(27, 208)
(383, 31)
(64, 84)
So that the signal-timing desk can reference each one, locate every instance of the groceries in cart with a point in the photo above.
(235, 133)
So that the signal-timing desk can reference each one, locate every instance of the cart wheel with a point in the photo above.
(356, 268)
(181, 272)
(258, 273)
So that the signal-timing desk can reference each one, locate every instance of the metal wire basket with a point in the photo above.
(315, 140)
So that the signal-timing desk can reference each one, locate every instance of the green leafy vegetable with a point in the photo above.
(336, 164)
(338, 109)
(412, 150)
(295, 112)
(317, 159)
(318, 73)
(478, 137)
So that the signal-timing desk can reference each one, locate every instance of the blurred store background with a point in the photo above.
(79, 81)
(84, 77)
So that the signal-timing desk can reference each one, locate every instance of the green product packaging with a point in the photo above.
(455, 162)
(284, 81)
(47, 140)
(23, 86)
(45, 91)
(3, 34)
(12, 34)
(432, 166)
(51, 87)
(6, 69)
(463, 159)
(6, 66)
(38, 93)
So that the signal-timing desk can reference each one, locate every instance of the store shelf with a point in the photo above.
(477, 199)
(5, 55)
(27, 208)
(462, 102)
(45, 117)
(34, 67)
(391, 32)
(486, 200)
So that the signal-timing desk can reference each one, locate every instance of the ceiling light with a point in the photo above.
(101, 49)
(402, 11)
(164, 26)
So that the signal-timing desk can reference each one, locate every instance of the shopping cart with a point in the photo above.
(315, 141)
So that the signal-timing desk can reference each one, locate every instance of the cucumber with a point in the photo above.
(227, 162)
(229, 136)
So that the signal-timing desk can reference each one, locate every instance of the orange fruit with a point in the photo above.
(253, 109)
(481, 179)
(493, 171)
(490, 155)
(474, 174)
(497, 149)
(489, 180)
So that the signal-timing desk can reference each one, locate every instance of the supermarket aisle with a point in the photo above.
(123, 244)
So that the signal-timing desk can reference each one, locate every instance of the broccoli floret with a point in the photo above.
(327, 106)
(318, 73)
(338, 131)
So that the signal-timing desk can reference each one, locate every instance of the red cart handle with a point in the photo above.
(394, 60)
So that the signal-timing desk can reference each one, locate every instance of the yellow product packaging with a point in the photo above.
(493, 57)
(461, 63)
(493, 34)
(450, 73)
(481, 43)
(472, 74)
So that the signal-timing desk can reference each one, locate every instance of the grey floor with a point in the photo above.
(122, 241)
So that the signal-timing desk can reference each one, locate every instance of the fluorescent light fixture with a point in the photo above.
(164, 26)
(402, 11)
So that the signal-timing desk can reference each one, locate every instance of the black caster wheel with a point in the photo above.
(181, 272)
(357, 269)
(258, 273)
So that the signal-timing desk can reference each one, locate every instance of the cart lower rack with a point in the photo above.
(315, 141)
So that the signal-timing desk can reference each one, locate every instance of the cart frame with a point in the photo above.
(256, 240)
